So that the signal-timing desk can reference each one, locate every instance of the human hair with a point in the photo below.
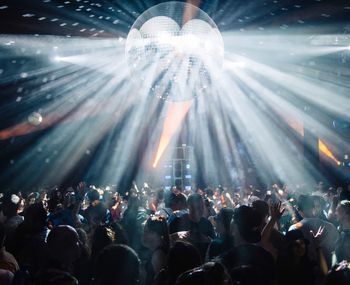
(169, 199)
(261, 207)
(102, 237)
(36, 215)
(93, 195)
(159, 225)
(182, 256)
(194, 199)
(345, 205)
(305, 203)
(225, 216)
(211, 273)
(10, 205)
(247, 221)
(117, 264)
(181, 200)
(63, 244)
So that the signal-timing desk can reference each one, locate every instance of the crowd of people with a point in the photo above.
(88, 235)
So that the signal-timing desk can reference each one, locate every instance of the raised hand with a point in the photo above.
(81, 190)
(276, 211)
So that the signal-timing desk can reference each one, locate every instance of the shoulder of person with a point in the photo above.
(296, 226)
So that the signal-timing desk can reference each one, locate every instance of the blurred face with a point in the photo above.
(339, 212)
(196, 211)
(69, 249)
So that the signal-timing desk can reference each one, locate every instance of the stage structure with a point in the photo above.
(179, 170)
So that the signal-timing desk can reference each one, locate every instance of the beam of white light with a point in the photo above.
(90, 122)
(263, 141)
(288, 46)
(288, 110)
(267, 143)
(319, 93)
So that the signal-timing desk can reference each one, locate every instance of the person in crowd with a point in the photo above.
(96, 213)
(29, 242)
(120, 236)
(117, 265)
(249, 241)
(63, 249)
(294, 266)
(116, 208)
(194, 219)
(311, 224)
(156, 239)
(182, 257)
(175, 206)
(193, 227)
(343, 214)
(224, 242)
(169, 205)
(102, 237)
(7, 260)
(320, 207)
(6, 277)
(10, 206)
(211, 273)
(133, 218)
(276, 241)
(342, 250)
(208, 208)
(82, 265)
(246, 233)
(156, 201)
(66, 214)
(179, 207)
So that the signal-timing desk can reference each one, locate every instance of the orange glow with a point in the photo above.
(190, 12)
(298, 126)
(326, 151)
(49, 120)
(175, 115)
(26, 128)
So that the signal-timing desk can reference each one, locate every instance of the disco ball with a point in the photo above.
(176, 50)
(35, 119)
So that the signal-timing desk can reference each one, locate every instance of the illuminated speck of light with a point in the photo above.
(28, 15)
